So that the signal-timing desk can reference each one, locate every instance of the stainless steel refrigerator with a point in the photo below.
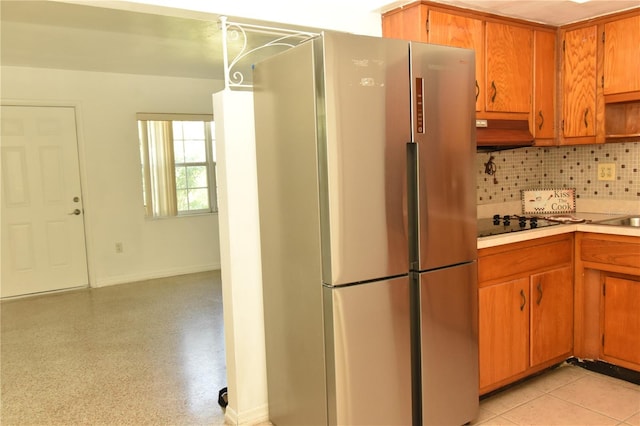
(365, 154)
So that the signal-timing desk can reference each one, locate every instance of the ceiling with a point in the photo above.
(551, 12)
(54, 34)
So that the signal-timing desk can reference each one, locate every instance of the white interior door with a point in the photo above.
(43, 240)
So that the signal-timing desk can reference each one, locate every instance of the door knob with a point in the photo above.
(75, 212)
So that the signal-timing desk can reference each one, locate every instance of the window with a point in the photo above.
(178, 164)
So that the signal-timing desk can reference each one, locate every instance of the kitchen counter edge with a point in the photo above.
(515, 237)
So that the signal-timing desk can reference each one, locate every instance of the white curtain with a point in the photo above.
(159, 168)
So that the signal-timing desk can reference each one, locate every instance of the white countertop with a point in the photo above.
(590, 226)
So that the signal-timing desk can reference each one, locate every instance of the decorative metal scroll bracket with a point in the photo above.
(282, 38)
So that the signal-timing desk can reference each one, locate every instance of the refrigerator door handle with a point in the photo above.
(412, 206)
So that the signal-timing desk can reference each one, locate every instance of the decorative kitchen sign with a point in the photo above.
(541, 201)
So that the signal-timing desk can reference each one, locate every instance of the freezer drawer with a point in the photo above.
(449, 338)
(369, 374)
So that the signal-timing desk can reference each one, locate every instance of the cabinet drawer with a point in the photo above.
(516, 259)
(610, 252)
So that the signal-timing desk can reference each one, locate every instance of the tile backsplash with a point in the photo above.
(560, 167)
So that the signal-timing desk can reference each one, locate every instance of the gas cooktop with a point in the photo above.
(510, 223)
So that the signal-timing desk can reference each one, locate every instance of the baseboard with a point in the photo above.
(253, 416)
(124, 279)
(605, 368)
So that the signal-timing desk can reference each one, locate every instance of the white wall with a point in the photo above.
(353, 16)
(110, 160)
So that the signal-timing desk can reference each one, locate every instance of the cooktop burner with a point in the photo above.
(510, 223)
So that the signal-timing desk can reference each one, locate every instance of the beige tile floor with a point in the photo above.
(152, 353)
(566, 395)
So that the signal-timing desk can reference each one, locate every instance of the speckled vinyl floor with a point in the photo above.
(148, 353)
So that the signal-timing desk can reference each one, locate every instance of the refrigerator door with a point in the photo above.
(443, 126)
(449, 342)
(370, 343)
(363, 126)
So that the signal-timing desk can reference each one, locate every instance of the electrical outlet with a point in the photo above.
(607, 171)
(119, 248)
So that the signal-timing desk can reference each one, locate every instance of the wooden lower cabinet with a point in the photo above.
(503, 331)
(525, 308)
(621, 321)
(551, 315)
(607, 299)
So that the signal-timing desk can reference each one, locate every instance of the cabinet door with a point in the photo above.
(551, 314)
(460, 31)
(621, 324)
(509, 68)
(409, 23)
(622, 56)
(544, 85)
(503, 330)
(579, 82)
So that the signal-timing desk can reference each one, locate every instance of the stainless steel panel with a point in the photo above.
(446, 153)
(284, 105)
(364, 126)
(371, 347)
(449, 344)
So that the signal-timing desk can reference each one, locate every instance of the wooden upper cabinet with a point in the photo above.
(544, 87)
(579, 83)
(622, 56)
(409, 23)
(504, 55)
(509, 68)
(460, 31)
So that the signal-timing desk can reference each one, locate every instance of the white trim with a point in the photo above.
(253, 416)
(131, 278)
(168, 116)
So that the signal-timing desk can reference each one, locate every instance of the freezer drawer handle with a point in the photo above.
(524, 299)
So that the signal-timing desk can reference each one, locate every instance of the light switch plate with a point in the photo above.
(607, 171)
